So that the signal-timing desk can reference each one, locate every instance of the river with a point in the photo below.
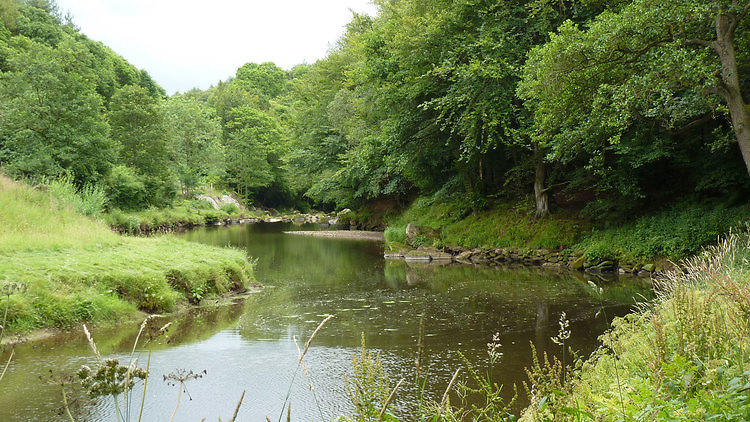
(249, 345)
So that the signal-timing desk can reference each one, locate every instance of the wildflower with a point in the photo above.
(110, 378)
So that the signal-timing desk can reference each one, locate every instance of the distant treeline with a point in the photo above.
(604, 106)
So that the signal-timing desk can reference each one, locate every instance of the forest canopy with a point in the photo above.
(608, 107)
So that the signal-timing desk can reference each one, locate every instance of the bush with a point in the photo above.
(125, 188)
(675, 233)
(89, 200)
(230, 208)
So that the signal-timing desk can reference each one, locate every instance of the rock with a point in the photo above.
(333, 221)
(464, 256)
(274, 220)
(226, 199)
(323, 225)
(413, 230)
(416, 255)
(479, 259)
(345, 211)
(603, 266)
(210, 200)
(299, 220)
(648, 268)
(577, 263)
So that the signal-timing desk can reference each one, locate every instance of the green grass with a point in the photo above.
(503, 225)
(184, 213)
(76, 269)
(674, 233)
(685, 357)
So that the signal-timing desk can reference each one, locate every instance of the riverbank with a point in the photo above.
(60, 268)
(685, 357)
(432, 229)
(185, 214)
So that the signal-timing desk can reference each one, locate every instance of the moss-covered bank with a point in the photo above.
(61, 268)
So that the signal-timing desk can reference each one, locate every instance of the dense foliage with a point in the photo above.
(613, 108)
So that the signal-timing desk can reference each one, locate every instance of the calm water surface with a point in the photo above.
(250, 345)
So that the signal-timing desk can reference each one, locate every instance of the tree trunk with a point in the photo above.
(729, 85)
(541, 197)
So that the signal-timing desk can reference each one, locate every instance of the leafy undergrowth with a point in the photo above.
(63, 268)
(183, 213)
(686, 357)
(675, 233)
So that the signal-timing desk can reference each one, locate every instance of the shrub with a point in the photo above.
(88, 200)
(230, 208)
(125, 188)
(395, 233)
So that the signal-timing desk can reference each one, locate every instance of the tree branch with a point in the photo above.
(691, 125)
(550, 187)
(738, 18)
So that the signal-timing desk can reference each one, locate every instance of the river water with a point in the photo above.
(250, 345)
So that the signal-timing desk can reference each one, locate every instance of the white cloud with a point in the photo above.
(189, 43)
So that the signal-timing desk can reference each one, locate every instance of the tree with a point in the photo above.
(137, 122)
(254, 145)
(51, 119)
(645, 63)
(195, 141)
(265, 80)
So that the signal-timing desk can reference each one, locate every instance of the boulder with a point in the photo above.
(435, 253)
(226, 199)
(464, 256)
(214, 203)
(413, 231)
(648, 268)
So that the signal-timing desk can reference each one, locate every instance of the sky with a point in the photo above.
(188, 43)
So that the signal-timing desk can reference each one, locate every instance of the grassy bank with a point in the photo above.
(63, 268)
(183, 213)
(674, 233)
(685, 357)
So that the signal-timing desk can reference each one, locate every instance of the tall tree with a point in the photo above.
(195, 141)
(138, 126)
(51, 119)
(664, 62)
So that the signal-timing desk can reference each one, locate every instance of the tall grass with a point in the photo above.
(89, 200)
(32, 219)
(685, 357)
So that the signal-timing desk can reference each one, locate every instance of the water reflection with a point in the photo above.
(250, 345)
